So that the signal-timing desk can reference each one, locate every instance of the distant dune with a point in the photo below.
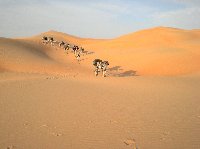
(156, 51)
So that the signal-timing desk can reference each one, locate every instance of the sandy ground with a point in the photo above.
(48, 100)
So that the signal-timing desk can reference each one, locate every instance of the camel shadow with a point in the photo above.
(117, 71)
(88, 53)
(129, 73)
(83, 59)
(115, 68)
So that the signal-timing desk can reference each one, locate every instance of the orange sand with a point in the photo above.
(150, 99)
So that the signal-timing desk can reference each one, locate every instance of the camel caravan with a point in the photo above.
(100, 65)
(78, 51)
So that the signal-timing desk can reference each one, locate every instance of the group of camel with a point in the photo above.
(99, 64)
(76, 50)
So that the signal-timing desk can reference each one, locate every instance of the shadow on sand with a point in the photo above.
(117, 71)
(88, 52)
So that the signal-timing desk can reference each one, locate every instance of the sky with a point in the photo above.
(95, 18)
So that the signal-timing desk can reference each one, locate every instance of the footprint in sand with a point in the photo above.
(164, 135)
(11, 147)
(131, 142)
(52, 78)
(57, 134)
(51, 130)
(26, 124)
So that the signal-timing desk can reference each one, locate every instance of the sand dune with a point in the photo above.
(156, 51)
(68, 38)
(31, 56)
(150, 98)
(17, 55)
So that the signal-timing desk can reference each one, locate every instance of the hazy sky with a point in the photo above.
(95, 18)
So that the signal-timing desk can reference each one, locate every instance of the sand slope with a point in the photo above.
(150, 100)
(31, 56)
(22, 56)
(48, 112)
(157, 51)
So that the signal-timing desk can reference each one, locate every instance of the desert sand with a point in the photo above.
(149, 100)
